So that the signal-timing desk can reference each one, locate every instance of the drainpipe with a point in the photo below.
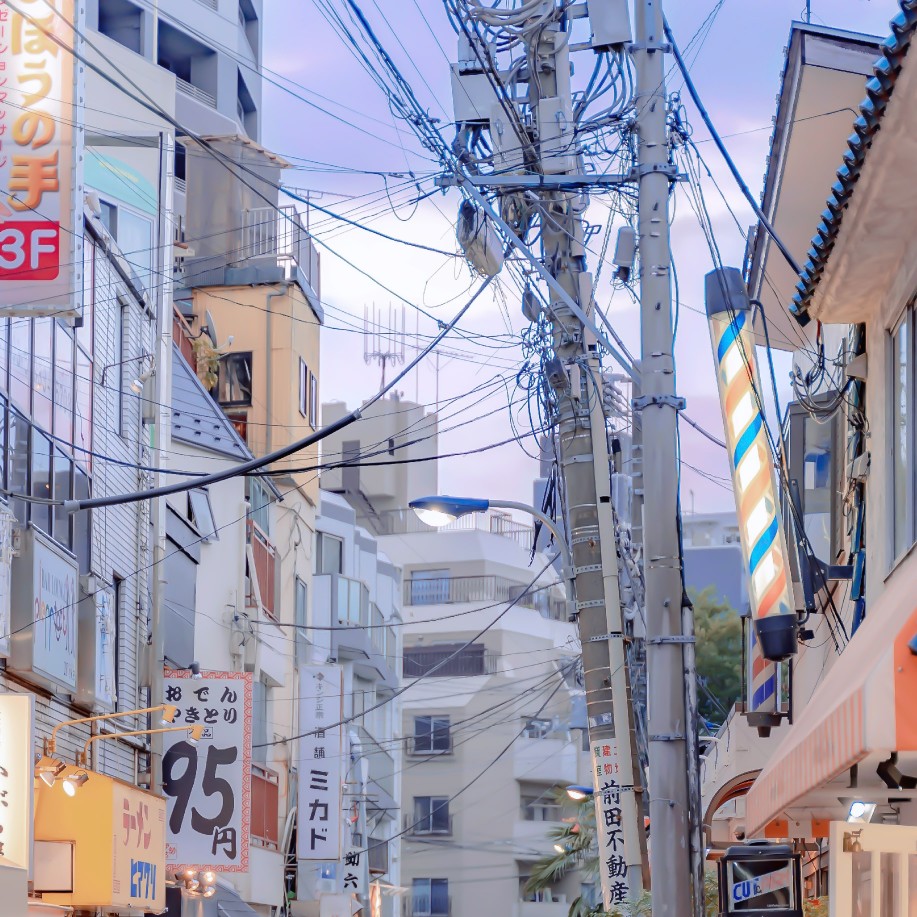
(269, 367)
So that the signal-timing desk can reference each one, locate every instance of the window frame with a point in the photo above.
(320, 538)
(313, 401)
(241, 357)
(899, 548)
(431, 734)
(206, 527)
(436, 807)
(303, 388)
(301, 614)
(417, 886)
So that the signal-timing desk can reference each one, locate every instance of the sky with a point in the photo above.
(333, 124)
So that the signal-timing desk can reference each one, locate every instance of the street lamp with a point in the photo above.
(169, 712)
(440, 511)
(578, 793)
(195, 734)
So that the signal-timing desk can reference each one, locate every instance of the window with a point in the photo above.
(431, 735)
(302, 635)
(430, 587)
(537, 729)
(430, 898)
(313, 401)
(133, 234)
(541, 808)
(329, 554)
(303, 388)
(117, 377)
(200, 512)
(431, 815)
(117, 602)
(541, 896)
(259, 500)
(234, 385)
(260, 699)
(447, 659)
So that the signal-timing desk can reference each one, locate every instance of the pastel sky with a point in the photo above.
(334, 125)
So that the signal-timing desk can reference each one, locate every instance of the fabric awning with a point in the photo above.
(864, 705)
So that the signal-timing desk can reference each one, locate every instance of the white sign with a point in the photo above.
(778, 880)
(321, 709)
(6, 558)
(208, 787)
(609, 829)
(41, 206)
(356, 858)
(96, 677)
(16, 779)
(44, 613)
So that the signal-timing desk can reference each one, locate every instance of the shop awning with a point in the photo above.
(863, 709)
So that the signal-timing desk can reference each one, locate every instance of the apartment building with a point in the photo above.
(356, 611)
(835, 776)
(495, 726)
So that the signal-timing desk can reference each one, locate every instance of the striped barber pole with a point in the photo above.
(763, 679)
(763, 543)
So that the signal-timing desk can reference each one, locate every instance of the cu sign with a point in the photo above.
(29, 250)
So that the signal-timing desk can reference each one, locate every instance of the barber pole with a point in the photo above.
(763, 542)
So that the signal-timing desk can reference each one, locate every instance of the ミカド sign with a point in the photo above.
(41, 225)
(208, 786)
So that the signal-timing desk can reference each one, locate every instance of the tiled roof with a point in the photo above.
(879, 89)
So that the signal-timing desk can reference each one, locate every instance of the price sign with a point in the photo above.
(208, 786)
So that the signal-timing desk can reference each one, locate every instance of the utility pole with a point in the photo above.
(584, 460)
(674, 857)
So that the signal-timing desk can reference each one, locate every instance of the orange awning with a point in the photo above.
(864, 706)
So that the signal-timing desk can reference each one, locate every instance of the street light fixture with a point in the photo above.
(440, 511)
(578, 793)
(169, 712)
(195, 734)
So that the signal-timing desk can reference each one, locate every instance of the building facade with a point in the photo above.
(835, 776)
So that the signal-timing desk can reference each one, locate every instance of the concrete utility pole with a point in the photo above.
(668, 625)
(583, 446)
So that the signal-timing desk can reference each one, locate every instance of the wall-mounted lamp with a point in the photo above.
(169, 712)
(143, 375)
(195, 734)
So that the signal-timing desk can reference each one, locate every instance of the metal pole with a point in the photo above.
(670, 855)
(585, 467)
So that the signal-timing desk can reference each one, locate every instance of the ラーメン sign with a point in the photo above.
(41, 139)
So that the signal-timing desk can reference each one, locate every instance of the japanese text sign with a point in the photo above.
(40, 155)
(16, 769)
(321, 707)
(208, 786)
(609, 829)
(139, 878)
(44, 613)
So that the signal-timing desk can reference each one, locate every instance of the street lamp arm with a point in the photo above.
(196, 734)
(50, 742)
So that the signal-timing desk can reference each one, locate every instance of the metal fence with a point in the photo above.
(279, 232)
(448, 659)
(201, 95)
(449, 590)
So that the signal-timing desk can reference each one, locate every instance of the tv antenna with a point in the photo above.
(383, 343)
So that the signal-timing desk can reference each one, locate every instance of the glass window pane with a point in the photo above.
(343, 593)
(900, 437)
(41, 480)
(63, 488)
(83, 416)
(135, 239)
(4, 353)
(42, 384)
(63, 384)
(18, 471)
(202, 514)
(21, 363)
(818, 483)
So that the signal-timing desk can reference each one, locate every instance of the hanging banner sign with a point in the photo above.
(609, 829)
(41, 195)
(321, 709)
(208, 786)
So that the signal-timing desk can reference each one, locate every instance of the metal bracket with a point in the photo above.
(645, 401)
(654, 168)
(592, 603)
(656, 641)
(672, 737)
(588, 568)
(602, 638)
(650, 46)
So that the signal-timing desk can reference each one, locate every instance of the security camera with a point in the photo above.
(195, 668)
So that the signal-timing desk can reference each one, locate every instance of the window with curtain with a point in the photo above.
(430, 898)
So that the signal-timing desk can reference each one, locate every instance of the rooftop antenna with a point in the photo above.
(808, 12)
(383, 343)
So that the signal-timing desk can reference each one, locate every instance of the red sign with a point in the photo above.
(29, 250)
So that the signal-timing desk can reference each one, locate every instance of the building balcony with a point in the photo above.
(278, 233)
(261, 579)
(558, 907)
(452, 590)
(545, 761)
(195, 92)
(449, 659)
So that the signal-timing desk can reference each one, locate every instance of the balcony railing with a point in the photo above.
(406, 522)
(212, 4)
(265, 557)
(200, 95)
(442, 661)
(279, 232)
(450, 590)
(265, 825)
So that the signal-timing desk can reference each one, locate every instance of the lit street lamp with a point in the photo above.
(440, 511)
